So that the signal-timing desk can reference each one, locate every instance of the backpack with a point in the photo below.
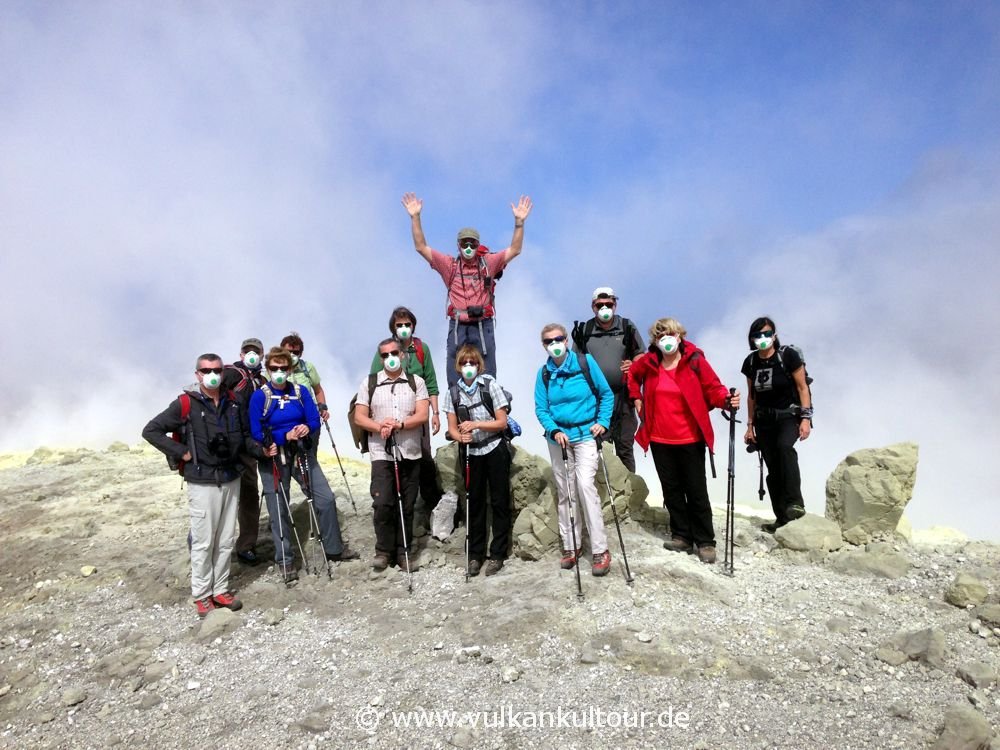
(583, 332)
(489, 282)
(802, 358)
(585, 369)
(180, 436)
(359, 434)
(269, 397)
(420, 350)
(513, 429)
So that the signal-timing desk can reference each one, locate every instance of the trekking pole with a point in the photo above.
(760, 487)
(730, 551)
(570, 480)
(280, 494)
(402, 518)
(629, 578)
(468, 561)
(303, 461)
(341, 464)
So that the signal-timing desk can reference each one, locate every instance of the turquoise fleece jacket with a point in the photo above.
(567, 404)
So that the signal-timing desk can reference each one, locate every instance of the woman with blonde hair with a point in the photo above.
(476, 408)
(673, 387)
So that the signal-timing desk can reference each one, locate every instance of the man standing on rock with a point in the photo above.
(614, 342)
(470, 279)
(242, 378)
(392, 407)
(214, 434)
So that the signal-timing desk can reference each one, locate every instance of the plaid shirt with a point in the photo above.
(478, 412)
(394, 399)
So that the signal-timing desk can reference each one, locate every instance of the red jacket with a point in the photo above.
(697, 381)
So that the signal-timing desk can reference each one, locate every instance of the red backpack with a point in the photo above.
(177, 464)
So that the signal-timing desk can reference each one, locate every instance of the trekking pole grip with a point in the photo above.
(564, 456)
(732, 392)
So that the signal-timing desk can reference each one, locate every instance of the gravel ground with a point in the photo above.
(782, 655)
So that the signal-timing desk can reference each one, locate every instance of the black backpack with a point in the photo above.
(487, 401)
(584, 331)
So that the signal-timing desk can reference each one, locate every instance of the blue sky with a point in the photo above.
(177, 176)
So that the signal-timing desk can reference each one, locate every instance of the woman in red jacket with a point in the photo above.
(673, 388)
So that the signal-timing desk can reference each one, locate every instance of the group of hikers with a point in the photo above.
(261, 418)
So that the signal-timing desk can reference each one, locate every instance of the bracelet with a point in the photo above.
(518, 226)
(805, 412)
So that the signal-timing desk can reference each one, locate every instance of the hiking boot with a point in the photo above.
(794, 512)
(289, 573)
(474, 567)
(770, 528)
(602, 564)
(345, 554)
(204, 606)
(568, 559)
(707, 554)
(677, 544)
(381, 561)
(493, 567)
(248, 556)
(228, 601)
(405, 567)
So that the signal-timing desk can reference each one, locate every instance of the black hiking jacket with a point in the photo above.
(215, 436)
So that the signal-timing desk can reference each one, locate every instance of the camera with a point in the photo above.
(219, 445)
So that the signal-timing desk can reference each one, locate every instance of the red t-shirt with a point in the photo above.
(465, 284)
(673, 423)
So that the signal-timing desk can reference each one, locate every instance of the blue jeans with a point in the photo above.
(469, 333)
(324, 501)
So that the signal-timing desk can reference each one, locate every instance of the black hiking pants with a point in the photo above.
(681, 469)
(389, 534)
(776, 441)
(489, 481)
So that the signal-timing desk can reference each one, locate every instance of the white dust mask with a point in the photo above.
(391, 363)
(211, 380)
(668, 344)
(469, 372)
(557, 349)
(763, 343)
(403, 332)
(251, 358)
(468, 253)
(279, 377)
(605, 314)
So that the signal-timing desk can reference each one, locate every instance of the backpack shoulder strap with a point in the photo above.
(185, 401)
(486, 397)
(420, 350)
(453, 392)
(412, 381)
(268, 398)
(631, 335)
(372, 383)
(585, 369)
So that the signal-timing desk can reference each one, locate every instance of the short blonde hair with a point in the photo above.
(280, 354)
(666, 327)
(468, 351)
(555, 327)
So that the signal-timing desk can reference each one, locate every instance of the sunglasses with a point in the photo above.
(469, 243)
(553, 340)
(472, 362)
(386, 355)
(764, 334)
(279, 368)
(206, 370)
(296, 352)
(605, 303)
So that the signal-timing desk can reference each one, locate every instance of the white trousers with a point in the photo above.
(213, 535)
(582, 470)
